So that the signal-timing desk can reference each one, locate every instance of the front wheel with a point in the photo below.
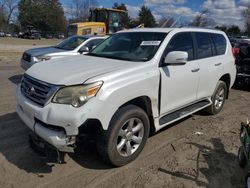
(218, 98)
(126, 136)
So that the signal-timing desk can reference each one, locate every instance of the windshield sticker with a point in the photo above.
(150, 43)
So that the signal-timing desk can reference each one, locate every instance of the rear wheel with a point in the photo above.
(218, 98)
(125, 137)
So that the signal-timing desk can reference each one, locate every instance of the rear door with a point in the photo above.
(210, 59)
(179, 83)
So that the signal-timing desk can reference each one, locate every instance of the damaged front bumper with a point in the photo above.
(45, 150)
(50, 134)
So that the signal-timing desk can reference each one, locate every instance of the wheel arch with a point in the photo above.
(227, 79)
(143, 102)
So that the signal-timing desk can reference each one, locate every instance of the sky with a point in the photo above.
(223, 12)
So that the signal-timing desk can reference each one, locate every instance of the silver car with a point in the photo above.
(74, 45)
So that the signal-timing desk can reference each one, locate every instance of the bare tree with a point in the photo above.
(10, 5)
(7, 8)
(79, 9)
(202, 20)
(246, 16)
(2, 12)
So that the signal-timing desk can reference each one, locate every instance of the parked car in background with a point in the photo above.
(243, 65)
(20, 34)
(60, 36)
(49, 36)
(35, 36)
(133, 83)
(71, 46)
(8, 35)
(2, 34)
(15, 35)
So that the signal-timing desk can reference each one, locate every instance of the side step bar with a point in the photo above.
(184, 112)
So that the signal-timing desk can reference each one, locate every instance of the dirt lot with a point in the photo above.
(174, 157)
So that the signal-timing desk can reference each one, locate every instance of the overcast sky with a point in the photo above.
(225, 12)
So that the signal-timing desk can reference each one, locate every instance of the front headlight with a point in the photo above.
(77, 95)
(41, 58)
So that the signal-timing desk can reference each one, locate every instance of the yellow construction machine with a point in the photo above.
(102, 21)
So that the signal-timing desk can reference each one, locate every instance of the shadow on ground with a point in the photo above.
(217, 162)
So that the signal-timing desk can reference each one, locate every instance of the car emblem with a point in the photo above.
(31, 91)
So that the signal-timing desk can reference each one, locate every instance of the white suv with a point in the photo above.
(135, 82)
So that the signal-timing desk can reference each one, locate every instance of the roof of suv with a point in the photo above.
(167, 30)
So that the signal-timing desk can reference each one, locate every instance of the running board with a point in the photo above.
(184, 112)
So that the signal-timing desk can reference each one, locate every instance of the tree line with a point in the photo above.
(50, 16)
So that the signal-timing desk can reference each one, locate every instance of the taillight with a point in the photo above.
(236, 52)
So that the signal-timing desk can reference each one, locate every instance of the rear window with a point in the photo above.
(204, 45)
(220, 43)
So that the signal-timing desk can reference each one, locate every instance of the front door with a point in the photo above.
(179, 83)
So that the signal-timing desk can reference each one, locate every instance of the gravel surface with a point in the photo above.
(174, 157)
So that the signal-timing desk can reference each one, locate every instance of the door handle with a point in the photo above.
(195, 70)
(217, 64)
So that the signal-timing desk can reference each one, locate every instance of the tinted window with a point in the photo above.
(93, 42)
(181, 42)
(220, 43)
(71, 43)
(204, 45)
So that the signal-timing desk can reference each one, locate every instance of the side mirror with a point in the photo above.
(84, 49)
(176, 58)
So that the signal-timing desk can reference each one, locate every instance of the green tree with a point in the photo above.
(44, 15)
(222, 28)
(125, 19)
(234, 30)
(146, 17)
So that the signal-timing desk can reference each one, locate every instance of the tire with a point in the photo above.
(247, 180)
(218, 98)
(117, 145)
(241, 157)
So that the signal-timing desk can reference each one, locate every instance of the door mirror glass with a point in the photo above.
(176, 58)
(84, 49)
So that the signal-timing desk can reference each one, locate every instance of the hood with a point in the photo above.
(75, 69)
(43, 51)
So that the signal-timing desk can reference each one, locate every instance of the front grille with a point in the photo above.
(37, 91)
(27, 57)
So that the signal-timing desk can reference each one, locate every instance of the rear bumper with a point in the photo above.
(242, 80)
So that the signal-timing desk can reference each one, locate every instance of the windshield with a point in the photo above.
(130, 46)
(71, 43)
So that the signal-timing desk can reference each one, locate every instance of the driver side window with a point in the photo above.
(181, 42)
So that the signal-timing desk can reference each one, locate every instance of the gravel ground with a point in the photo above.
(174, 157)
